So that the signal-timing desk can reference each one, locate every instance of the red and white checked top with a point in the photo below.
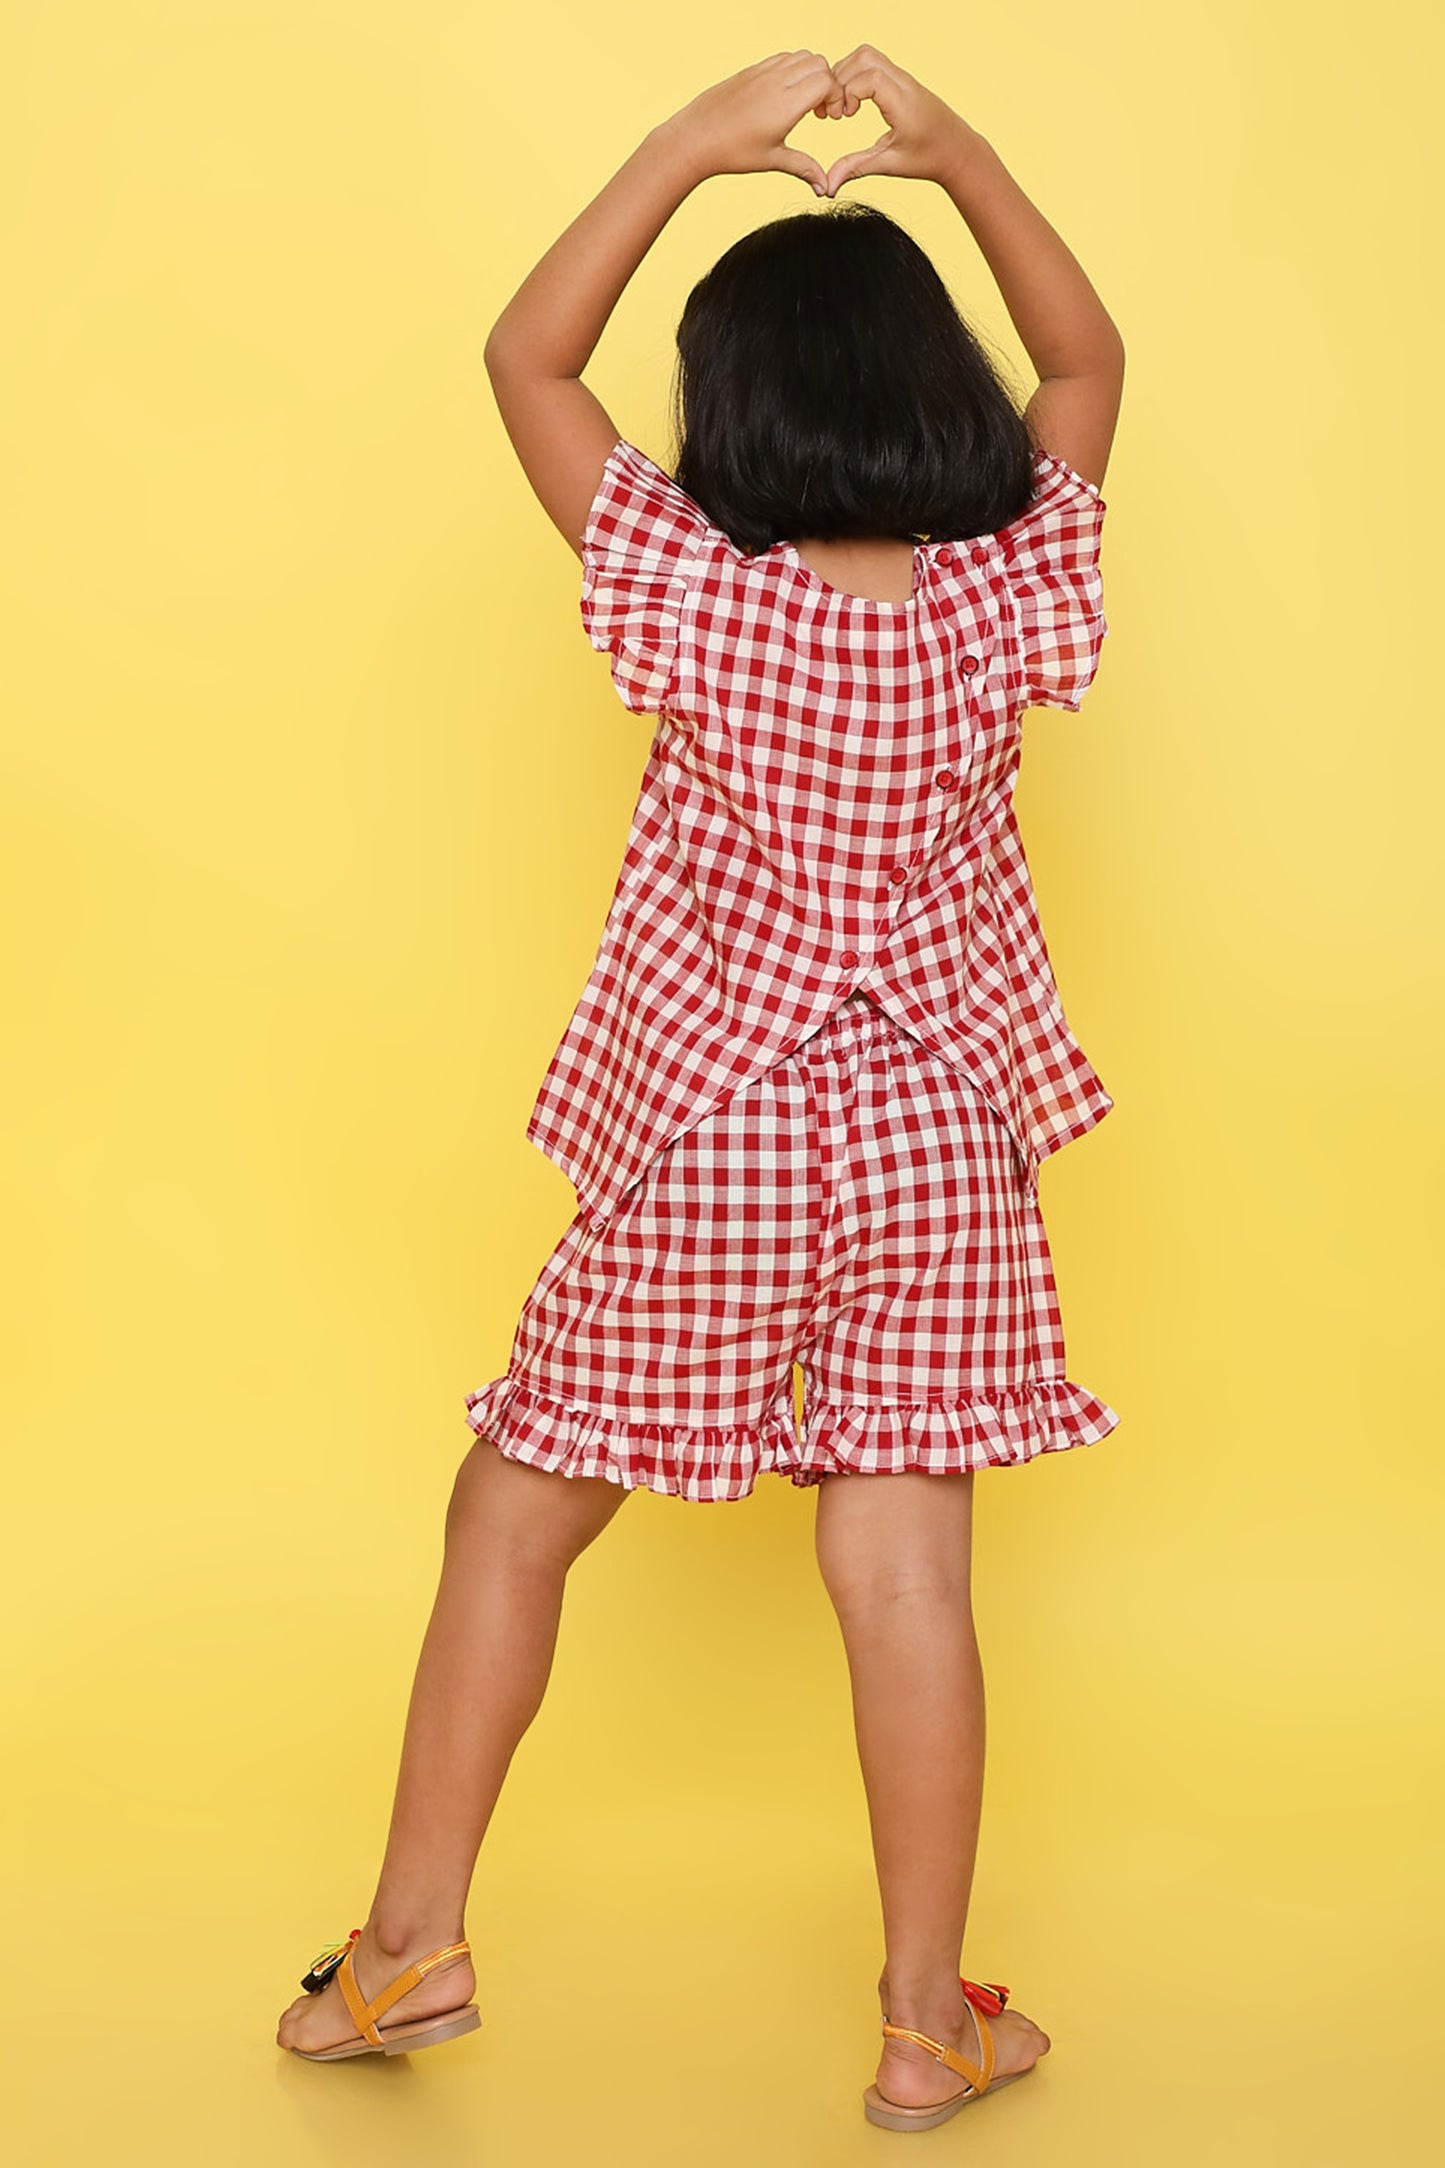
(826, 807)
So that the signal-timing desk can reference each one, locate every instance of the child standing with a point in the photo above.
(821, 1056)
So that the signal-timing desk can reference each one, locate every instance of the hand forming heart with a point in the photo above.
(741, 124)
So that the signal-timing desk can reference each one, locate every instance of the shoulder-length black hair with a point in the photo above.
(827, 385)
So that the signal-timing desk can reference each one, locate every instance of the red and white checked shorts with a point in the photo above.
(860, 1209)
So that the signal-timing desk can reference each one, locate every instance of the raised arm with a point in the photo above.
(1071, 339)
(540, 344)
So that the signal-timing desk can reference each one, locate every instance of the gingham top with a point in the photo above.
(826, 808)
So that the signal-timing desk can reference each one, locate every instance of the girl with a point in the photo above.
(820, 1057)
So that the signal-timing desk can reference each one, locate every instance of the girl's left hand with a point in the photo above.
(740, 125)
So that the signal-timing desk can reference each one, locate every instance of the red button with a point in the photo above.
(848, 958)
(946, 555)
(980, 557)
(970, 663)
(899, 873)
(945, 779)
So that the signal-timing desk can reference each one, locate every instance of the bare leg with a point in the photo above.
(512, 1532)
(895, 1552)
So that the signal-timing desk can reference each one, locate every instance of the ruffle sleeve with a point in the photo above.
(641, 536)
(1052, 550)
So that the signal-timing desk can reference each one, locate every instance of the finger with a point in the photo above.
(862, 72)
(820, 89)
(867, 56)
(787, 160)
(868, 80)
(872, 160)
(815, 82)
(835, 106)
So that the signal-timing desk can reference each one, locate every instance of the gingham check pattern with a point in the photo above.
(826, 805)
(858, 1207)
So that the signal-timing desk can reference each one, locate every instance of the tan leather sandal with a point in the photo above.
(985, 1999)
(335, 1961)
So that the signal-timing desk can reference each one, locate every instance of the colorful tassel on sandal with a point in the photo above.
(323, 1967)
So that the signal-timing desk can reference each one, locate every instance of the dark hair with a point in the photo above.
(827, 385)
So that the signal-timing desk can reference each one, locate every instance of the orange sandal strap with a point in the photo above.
(978, 2075)
(365, 2014)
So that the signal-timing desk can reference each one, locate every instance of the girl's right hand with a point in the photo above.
(925, 137)
(740, 125)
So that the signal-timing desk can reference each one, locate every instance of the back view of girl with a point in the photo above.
(820, 1058)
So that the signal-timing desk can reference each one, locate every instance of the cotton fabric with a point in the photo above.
(807, 1088)
(858, 1207)
(826, 807)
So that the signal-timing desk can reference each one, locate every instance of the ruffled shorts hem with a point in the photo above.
(1004, 1429)
(677, 1459)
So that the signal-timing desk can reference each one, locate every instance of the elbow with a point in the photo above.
(499, 355)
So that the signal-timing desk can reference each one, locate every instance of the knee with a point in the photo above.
(874, 1557)
(521, 1517)
(869, 1588)
(483, 1511)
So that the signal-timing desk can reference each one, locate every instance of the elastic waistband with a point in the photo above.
(852, 1024)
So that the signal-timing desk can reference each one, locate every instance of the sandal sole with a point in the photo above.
(426, 2032)
(888, 2115)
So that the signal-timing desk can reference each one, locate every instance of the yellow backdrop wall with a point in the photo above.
(314, 799)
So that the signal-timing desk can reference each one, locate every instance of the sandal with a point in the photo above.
(984, 1996)
(335, 1962)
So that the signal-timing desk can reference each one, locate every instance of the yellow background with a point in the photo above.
(314, 799)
